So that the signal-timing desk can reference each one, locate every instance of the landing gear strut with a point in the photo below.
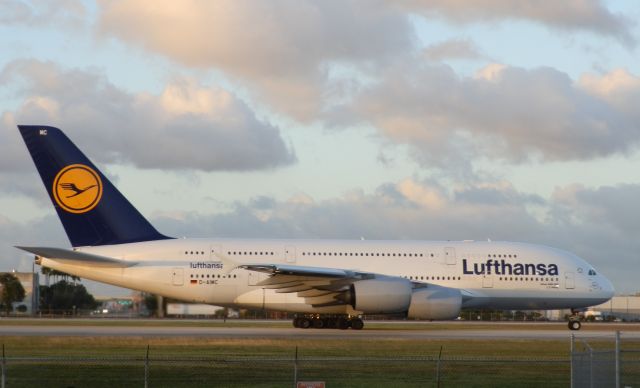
(574, 322)
(341, 322)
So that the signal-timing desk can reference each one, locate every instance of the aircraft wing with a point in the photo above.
(319, 286)
(60, 254)
(297, 270)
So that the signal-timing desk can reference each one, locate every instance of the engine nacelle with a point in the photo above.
(381, 296)
(435, 302)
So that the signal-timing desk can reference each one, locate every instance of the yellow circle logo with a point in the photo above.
(77, 188)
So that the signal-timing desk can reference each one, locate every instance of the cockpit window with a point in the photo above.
(592, 272)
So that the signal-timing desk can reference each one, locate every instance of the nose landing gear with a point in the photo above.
(574, 321)
(574, 325)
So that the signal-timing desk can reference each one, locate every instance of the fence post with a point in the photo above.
(438, 368)
(4, 363)
(146, 369)
(590, 367)
(295, 369)
(617, 359)
(572, 358)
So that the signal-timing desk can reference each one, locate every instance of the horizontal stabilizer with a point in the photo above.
(78, 257)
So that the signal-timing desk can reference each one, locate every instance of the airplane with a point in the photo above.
(325, 283)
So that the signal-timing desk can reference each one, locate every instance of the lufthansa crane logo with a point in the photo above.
(77, 188)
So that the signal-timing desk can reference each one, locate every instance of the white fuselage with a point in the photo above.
(496, 275)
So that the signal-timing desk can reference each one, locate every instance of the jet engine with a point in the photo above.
(435, 302)
(380, 295)
(395, 295)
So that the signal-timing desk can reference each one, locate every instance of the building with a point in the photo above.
(625, 307)
(191, 309)
(30, 282)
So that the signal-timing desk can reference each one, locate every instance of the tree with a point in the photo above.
(63, 296)
(58, 274)
(12, 291)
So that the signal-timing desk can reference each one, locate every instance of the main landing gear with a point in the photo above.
(574, 321)
(341, 322)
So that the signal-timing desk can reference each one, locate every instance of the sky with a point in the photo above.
(417, 119)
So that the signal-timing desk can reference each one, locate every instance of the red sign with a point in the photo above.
(310, 384)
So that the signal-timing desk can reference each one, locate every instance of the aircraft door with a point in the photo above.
(487, 281)
(177, 277)
(450, 255)
(569, 281)
(255, 277)
(215, 251)
(290, 254)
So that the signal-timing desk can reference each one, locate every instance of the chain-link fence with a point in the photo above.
(593, 362)
(238, 371)
(605, 361)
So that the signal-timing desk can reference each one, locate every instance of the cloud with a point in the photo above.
(300, 57)
(619, 88)
(20, 183)
(61, 13)
(603, 224)
(283, 51)
(45, 231)
(578, 15)
(187, 126)
(609, 206)
(453, 49)
(503, 112)
(408, 209)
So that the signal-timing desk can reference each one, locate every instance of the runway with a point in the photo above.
(123, 330)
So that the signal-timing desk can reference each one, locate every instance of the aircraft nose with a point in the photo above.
(607, 288)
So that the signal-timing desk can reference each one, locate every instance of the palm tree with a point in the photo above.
(58, 274)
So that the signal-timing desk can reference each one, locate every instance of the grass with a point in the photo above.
(251, 347)
(78, 361)
(239, 362)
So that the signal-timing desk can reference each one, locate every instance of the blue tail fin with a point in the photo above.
(92, 211)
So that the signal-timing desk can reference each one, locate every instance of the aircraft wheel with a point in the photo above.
(342, 324)
(305, 323)
(318, 323)
(296, 322)
(357, 324)
(574, 325)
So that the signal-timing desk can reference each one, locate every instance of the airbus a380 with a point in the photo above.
(327, 283)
